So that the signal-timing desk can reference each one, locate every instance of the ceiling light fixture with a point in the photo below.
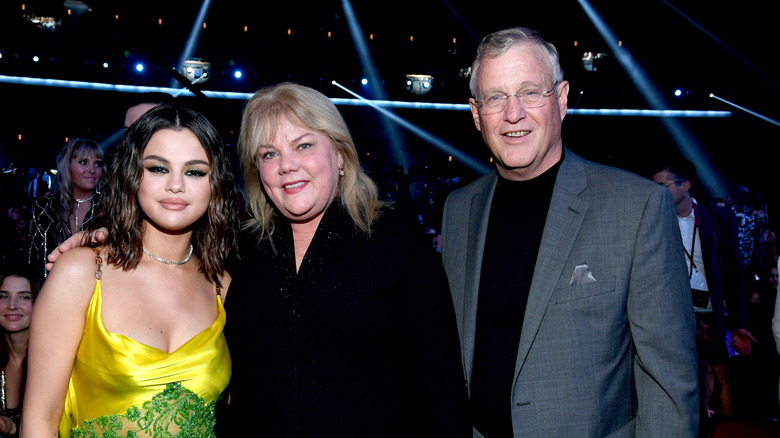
(196, 70)
(419, 84)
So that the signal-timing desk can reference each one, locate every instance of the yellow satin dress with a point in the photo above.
(122, 388)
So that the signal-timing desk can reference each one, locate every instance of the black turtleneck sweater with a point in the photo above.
(517, 216)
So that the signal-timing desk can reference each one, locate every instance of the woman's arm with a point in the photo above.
(55, 334)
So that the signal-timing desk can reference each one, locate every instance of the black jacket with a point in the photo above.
(361, 341)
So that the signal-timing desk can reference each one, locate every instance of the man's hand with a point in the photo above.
(78, 239)
(741, 341)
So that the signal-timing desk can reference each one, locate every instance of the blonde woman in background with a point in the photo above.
(81, 172)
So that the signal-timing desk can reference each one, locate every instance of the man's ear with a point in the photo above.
(563, 98)
(475, 113)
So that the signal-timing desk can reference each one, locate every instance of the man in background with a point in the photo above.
(710, 237)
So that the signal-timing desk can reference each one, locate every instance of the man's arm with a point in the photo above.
(661, 317)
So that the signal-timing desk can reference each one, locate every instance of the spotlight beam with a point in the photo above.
(460, 19)
(774, 122)
(448, 149)
(366, 60)
(688, 145)
(192, 40)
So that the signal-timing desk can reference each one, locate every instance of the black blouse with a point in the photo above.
(361, 341)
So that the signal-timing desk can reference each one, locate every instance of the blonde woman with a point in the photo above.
(340, 319)
(81, 172)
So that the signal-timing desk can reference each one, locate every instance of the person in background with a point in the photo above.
(127, 338)
(710, 237)
(75, 203)
(768, 237)
(143, 103)
(139, 104)
(751, 234)
(19, 286)
(570, 289)
(15, 230)
(339, 319)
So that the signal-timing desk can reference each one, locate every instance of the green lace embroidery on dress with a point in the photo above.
(174, 413)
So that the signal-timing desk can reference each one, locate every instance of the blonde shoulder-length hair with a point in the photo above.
(356, 192)
(64, 200)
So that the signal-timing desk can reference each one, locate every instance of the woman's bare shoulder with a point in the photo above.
(76, 260)
(74, 273)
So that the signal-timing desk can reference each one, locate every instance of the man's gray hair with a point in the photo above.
(497, 43)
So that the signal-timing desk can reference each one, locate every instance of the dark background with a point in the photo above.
(727, 48)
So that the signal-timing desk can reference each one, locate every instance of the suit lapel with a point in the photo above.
(479, 213)
(564, 219)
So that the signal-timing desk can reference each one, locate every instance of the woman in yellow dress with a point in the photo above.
(127, 338)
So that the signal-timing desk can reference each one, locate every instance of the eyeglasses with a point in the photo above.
(677, 183)
(529, 98)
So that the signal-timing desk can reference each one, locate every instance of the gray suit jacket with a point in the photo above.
(611, 357)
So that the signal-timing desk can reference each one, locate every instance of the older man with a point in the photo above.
(568, 278)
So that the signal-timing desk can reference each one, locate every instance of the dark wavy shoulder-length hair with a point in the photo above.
(13, 268)
(214, 235)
